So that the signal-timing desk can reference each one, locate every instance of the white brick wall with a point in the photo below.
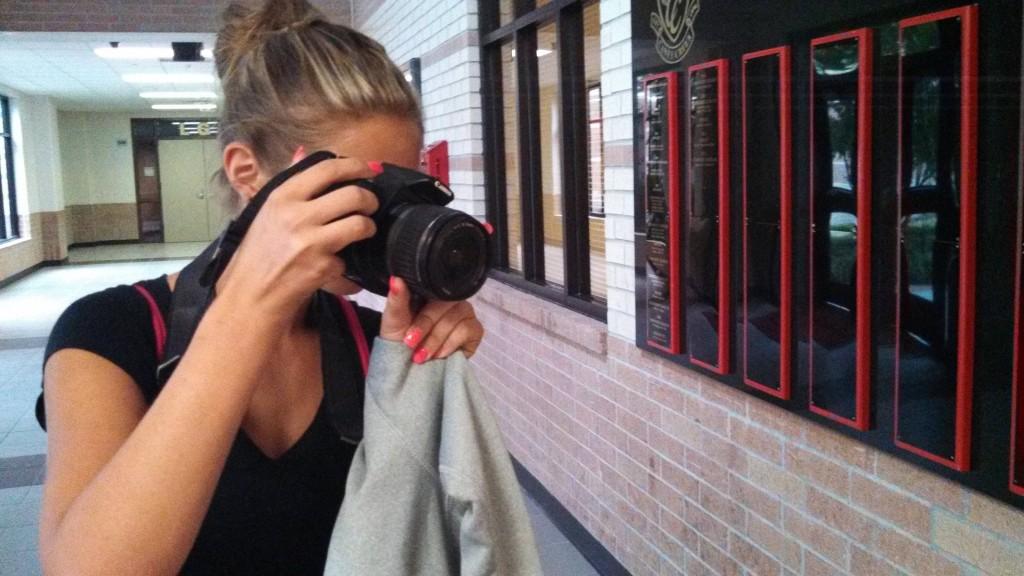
(617, 88)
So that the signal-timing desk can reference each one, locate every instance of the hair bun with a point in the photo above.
(244, 27)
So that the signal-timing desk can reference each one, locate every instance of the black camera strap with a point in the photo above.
(232, 237)
(194, 291)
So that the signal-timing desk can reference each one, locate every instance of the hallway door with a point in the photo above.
(217, 198)
(184, 191)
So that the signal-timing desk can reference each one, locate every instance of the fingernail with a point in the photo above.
(393, 285)
(375, 166)
(488, 227)
(299, 154)
(421, 356)
(412, 337)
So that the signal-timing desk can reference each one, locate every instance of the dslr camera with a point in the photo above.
(441, 253)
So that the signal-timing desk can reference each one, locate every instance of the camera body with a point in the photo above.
(441, 253)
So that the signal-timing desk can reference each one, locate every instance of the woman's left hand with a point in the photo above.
(437, 331)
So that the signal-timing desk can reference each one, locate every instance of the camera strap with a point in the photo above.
(229, 241)
(342, 350)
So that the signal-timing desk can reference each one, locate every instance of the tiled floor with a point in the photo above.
(28, 309)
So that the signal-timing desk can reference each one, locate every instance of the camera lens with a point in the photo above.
(441, 253)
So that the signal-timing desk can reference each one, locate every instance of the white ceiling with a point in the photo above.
(62, 65)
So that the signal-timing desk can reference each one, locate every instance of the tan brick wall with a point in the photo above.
(130, 16)
(43, 239)
(678, 474)
(103, 222)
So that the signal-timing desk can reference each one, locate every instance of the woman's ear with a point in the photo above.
(243, 169)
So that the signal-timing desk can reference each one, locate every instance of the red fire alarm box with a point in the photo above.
(435, 160)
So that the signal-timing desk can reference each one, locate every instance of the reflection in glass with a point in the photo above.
(703, 322)
(930, 236)
(551, 154)
(510, 120)
(835, 162)
(595, 145)
(765, 343)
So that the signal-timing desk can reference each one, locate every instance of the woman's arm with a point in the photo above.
(127, 488)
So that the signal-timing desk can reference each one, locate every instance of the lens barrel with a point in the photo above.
(441, 253)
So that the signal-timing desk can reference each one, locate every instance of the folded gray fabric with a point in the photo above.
(431, 489)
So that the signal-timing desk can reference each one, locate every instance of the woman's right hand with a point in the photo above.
(292, 248)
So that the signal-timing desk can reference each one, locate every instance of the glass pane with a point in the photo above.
(511, 124)
(702, 245)
(763, 246)
(595, 135)
(506, 12)
(930, 251)
(551, 153)
(834, 349)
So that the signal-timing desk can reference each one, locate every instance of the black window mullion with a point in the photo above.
(575, 166)
(531, 182)
(494, 153)
(5, 109)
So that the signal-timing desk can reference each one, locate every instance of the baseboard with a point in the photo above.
(594, 552)
(107, 243)
(19, 275)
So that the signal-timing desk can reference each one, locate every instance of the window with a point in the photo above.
(8, 201)
(544, 149)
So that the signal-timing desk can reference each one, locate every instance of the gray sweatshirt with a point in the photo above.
(431, 490)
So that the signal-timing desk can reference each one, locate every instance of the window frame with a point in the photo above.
(575, 167)
(7, 137)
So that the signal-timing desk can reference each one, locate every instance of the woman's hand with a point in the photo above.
(439, 330)
(291, 249)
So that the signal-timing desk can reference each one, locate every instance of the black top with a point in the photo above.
(267, 516)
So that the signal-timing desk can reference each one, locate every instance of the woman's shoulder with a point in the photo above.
(116, 324)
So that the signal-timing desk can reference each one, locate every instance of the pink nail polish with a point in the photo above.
(412, 337)
(421, 356)
(392, 285)
(299, 154)
(375, 166)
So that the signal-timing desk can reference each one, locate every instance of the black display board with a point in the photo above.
(964, 435)
(767, 221)
(661, 215)
(708, 298)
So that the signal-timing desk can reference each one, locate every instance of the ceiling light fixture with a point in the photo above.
(201, 95)
(168, 78)
(197, 106)
(134, 53)
(541, 52)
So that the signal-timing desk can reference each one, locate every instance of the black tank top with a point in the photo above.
(267, 516)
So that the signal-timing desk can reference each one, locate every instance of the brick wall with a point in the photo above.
(676, 473)
(133, 16)
(673, 472)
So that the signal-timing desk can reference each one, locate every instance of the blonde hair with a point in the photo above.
(287, 73)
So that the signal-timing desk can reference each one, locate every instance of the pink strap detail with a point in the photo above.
(159, 327)
(356, 328)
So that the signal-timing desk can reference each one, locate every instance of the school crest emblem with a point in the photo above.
(673, 25)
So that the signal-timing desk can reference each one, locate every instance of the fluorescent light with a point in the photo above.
(206, 53)
(134, 53)
(168, 78)
(196, 106)
(207, 95)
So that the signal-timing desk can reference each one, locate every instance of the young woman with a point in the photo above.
(232, 467)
